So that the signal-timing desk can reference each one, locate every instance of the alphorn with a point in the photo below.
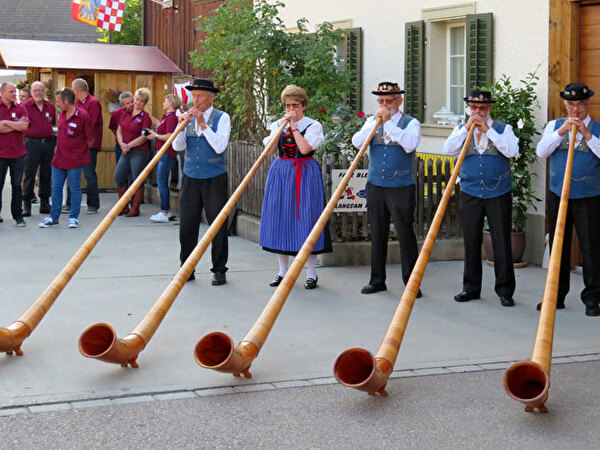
(216, 350)
(12, 337)
(528, 381)
(357, 367)
(99, 341)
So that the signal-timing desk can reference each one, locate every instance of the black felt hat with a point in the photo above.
(387, 88)
(479, 96)
(576, 91)
(202, 85)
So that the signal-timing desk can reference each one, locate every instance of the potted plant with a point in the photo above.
(112, 97)
(515, 107)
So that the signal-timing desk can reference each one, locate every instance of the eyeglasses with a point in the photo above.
(580, 105)
(292, 105)
(384, 101)
(37, 90)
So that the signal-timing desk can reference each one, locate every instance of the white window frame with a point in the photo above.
(449, 28)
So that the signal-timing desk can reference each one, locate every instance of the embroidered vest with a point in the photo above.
(389, 164)
(201, 161)
(486, 175)
(585, 176)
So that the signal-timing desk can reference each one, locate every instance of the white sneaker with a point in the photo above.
(73, 223)
(48, 222)
(159, 217)
(170, 215)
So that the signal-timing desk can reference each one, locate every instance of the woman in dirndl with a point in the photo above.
(294, 192)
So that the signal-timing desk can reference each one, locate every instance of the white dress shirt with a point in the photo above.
(408, 137)
(506, 143)
(217, 140)
(314, 134)
(551, 140)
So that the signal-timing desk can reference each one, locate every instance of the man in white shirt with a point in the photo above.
(390, 183)
(204, 182)
(485, 192)
(584, 196)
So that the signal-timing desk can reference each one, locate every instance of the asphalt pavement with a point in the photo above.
(446, 390)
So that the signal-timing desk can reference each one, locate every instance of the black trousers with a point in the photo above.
(211, 195)
(398, 204)
(498, 212)
(585, 214)
(39, 154)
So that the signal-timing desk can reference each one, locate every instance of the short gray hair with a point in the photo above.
(81, 84)
(124, 95)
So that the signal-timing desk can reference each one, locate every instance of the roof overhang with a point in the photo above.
(22, 54)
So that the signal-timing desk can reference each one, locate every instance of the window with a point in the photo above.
(446, 56)
(456, 69)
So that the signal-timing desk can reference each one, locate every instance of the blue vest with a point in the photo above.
(201, 161)
(585, 176)
(389, 164)
(485, 175)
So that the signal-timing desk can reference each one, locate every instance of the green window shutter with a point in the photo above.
(353, 61)
(414, 70)
(480, 48)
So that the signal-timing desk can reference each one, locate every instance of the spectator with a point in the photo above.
(164, 130)
(75, 135)
(134, 147)
(126, 99)
(24, 95)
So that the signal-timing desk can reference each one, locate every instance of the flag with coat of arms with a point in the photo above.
(107, 14)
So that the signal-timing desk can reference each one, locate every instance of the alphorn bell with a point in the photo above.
(356, 367)
(528, 381)
(12, 337)
(100, 340)
(217, 351)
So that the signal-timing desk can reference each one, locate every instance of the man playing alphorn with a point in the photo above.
(485, 192)
(584, 196)
(391, 183)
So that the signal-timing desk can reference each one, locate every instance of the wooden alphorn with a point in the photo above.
(12, 337)
(528, 381)
(100, 340)
(357, 367)
(216, 350)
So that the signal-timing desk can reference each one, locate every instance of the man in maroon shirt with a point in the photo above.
(40, 143)
(126, 99)
(91, 105)
(13, 121)
(75, 135)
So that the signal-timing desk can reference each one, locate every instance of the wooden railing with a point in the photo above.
(432, 173)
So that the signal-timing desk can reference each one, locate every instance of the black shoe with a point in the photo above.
(311, 283)
(26, 208)
(1, 220)
(20, 221)
(276, 281)
(372, 288)
(192, 277)
(592, 311)
(507, 301)
(560, 305)
(466, 296)
(44, 206)
(66, 209)
(218, 279)
(34, 199)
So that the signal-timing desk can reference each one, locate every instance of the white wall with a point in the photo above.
(520, 47)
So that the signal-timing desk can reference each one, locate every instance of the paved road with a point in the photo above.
(445, 392)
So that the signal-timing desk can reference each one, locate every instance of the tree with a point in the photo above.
(131, 26)
(253, 57)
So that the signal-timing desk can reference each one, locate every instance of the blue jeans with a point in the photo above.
(118, 152)
(16, 166)
(130, 164)
(93, 196)
(58, 181)
(165, 164)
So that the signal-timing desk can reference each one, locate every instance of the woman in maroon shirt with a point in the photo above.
(134, 147)
(165, 128)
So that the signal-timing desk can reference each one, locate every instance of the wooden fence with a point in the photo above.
(432, 174)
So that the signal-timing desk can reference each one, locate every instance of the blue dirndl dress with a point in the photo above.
(294, 200)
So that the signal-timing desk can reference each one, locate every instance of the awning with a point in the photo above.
(21, 54)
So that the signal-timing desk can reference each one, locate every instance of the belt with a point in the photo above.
(43, 140)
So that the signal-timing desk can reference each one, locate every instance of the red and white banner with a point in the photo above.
(180, 91)
(107, 14)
